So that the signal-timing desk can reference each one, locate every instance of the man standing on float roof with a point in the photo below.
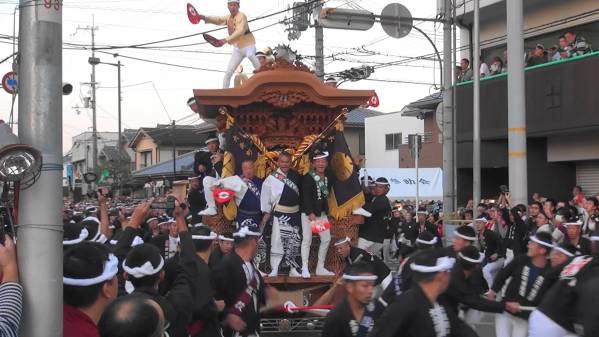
(240, 36)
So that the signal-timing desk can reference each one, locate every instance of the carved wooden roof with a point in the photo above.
(283, 86)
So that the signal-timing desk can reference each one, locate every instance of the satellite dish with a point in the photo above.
(396, 20)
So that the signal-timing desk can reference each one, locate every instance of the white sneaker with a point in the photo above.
(208, 211)
(273, 273)
(322, 271)
(293, 273)
(361, 211)
(305, 272)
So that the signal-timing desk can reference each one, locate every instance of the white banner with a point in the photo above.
(403, 182)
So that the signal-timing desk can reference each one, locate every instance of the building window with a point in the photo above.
(392, 141)
(145, 159)
(361, 143)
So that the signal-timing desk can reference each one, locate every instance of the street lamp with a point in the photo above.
(18, 162)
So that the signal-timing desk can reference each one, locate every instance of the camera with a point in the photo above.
(169, 204)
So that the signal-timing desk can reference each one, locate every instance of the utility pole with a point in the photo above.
(174, 154)
(476, 178)
(319, 51)
(40, 125)
(93, 61)
(516, 123)
(448, 122)
(120, 145)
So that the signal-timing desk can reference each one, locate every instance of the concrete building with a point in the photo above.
(561, 102)
(385, 136)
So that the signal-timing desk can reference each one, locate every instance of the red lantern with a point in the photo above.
(374, 101)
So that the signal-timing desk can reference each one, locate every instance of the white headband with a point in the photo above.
(111, 267)
(210, 140)
(431, 242)
(443, 263)
(483, 219)
(542, 243)
(212, 236)
(245, 231)
(577, 223)
(224, 238)
(481, 257)
(144, 270)
(92, 218)
(137, 241)
(82, 236)
(342, 241)
(359, 277)
(151, 219)
(324, 154)
(594, 238)
(465, 237)
(381, 183)
(563, 251)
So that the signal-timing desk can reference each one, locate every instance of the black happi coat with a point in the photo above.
(289, 196)
(490, 244)
(215, 258)
(202, 289)
(468, 291)
(374, 228)
(230, 281)
(380, 268)
(340, 322)
(202, 157)
(518, 288)
(177, 302)
(413, 229)
(197, 203)
(572, 300)
(309, 199)
(413, 315)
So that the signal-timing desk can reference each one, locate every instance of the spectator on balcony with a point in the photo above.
(563, 45)
(553, 54)
(465, 71)
(484, 69)
(577, 45)
(496, 66)
(536, 56)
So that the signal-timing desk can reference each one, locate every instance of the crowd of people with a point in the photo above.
(570, 45)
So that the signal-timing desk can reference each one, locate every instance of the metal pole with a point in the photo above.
(417, 150)
(119, 172)
(518, 177)
(93, 84)
(174, 154)
(119, 102)
(453, 108)
(319, 52)
(39, 229)
(448, 158)
(476, 179)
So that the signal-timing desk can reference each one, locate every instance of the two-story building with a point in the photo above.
(562, 105)
(155, 145)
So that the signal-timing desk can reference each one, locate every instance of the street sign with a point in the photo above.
(10, 83)
(343, 18)
(396, 20)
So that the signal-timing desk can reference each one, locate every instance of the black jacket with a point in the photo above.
(413, 315)
(197, 203)
(374, 228)
(490, 244)
(309, 198)
(202, 289)
(340, 322)
(202, 157)
(380, 268)
(465, 290)
(519, 286)
(572, 300)
(230, 281)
